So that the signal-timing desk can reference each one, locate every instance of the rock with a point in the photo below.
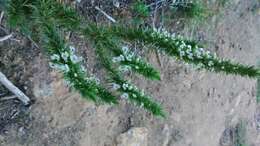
(134, 137)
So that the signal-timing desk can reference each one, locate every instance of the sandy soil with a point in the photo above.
(203, 108)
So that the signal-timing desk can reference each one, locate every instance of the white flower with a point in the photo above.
(121, 58)
(199, 66)
(72, 49)
(190, 56)
(52, 65)
(125, 86)
(173, 36)
(115, 59)
(65, 56)
(210, 63)
(189, 50)
(215, 56)
(115, 86)
(97, 80)
(125, 49)
(83, 68)
(208, 54)
(118, 59)
(182, 53)
(130, 87)
(138, 59)
(124, 96)
(124, 68)
(153, 34)
(142, 92)
(189, 46)
(142, 105)
(75, 59)
(182, 46)
(62, 67)
(66, 68)
(129, 58)
(55, 57)
(198, 53)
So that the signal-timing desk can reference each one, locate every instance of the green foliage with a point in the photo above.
(185, 50)
(63, 58)
(140, 11)
(129, 61)
(106, 49)
(19, 14)
(51, 10)
(127, 90)
(190, 9)
(48, 20)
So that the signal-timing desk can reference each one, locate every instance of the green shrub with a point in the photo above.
(140, 12)
(48, 20)
(190, 9)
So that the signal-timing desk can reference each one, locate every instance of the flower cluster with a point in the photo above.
(125, 59)
(59, 66)
(162, 33)
(75, 75)
(61, 61)
(129, 61)
(66, 60)
(186, 50)
(191, 52)
(127, 88)
(132, 93)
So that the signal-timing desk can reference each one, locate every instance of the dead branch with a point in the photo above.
(105, 14)
(9, 85)
(6, 37)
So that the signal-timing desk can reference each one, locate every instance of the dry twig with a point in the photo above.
(19, 94)
(6, 37)
(105, 14)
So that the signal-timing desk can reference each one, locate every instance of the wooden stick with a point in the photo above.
(105, 14)
(20, 95)
(5, 37)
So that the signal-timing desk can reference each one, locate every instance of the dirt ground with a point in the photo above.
(203, 108)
